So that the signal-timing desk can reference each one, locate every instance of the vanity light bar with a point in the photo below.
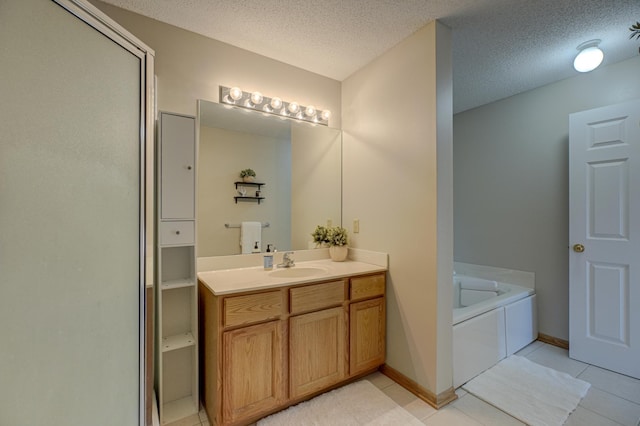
(276, 106)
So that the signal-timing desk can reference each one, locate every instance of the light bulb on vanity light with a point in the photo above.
(276, 103)
(293, 107)
(256, 98)
(325, 115)
(310, 111)
(235, 93)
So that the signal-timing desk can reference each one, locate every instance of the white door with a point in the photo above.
(604, 235)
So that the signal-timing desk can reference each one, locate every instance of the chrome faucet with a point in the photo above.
(287, 260)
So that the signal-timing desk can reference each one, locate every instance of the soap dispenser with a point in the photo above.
(268, 257)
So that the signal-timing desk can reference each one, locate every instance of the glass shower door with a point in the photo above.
(71, 219)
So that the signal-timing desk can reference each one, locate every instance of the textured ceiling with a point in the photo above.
(500, 47)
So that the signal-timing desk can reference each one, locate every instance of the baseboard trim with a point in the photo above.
(436, 401)
(561, 343)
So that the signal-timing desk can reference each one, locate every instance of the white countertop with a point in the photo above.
(229, 281)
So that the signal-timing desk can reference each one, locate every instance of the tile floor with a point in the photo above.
(612, 400)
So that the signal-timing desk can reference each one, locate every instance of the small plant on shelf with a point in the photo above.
(248, 175)
(320, 236)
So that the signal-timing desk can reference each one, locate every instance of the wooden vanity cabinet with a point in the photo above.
(264, 351)
(367, 335)
(317, 340)
(254, 370)
(367, 323)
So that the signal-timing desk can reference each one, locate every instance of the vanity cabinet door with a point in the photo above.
(254, 373)
(367, 335)
(317, 351)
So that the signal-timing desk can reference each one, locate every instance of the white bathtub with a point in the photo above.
(507, 293)
(502, 321)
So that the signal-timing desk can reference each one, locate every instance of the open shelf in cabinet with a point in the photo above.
(179, 409)
(179, 283)
(177, 341)
(179, 315)
(178, 269)
(180, 400)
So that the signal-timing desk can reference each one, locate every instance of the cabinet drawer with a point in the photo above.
(176, 233)
(252, 308)
(367, 287)
(317, 296)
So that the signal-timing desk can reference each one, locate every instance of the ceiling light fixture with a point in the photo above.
(257, 102)
(590, 56)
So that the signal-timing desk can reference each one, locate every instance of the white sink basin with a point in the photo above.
(296, 272)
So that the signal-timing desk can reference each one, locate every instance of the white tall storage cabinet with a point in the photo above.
(176, 292)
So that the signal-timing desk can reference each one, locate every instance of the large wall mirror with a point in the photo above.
(299, 163)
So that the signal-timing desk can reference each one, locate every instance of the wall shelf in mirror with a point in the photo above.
(258, 184)
(258, 199)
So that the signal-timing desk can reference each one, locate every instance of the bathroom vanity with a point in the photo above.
(273, 339)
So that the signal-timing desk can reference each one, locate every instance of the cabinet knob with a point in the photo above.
(578, 248)
(177, 232)
(189, 167)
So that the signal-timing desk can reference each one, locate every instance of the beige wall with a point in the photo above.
(391, 112)
(223, 153)
(191, 67)
(397, 163)
(511, 181)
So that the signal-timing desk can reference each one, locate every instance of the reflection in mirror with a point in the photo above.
(300, 165)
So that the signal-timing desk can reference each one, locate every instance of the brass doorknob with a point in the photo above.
(578, 248)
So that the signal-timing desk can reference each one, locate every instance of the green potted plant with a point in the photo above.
(320, 236)
(336, 238)
(248, 175)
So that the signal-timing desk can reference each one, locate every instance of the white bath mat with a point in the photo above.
(360, 403)
(530, 392)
